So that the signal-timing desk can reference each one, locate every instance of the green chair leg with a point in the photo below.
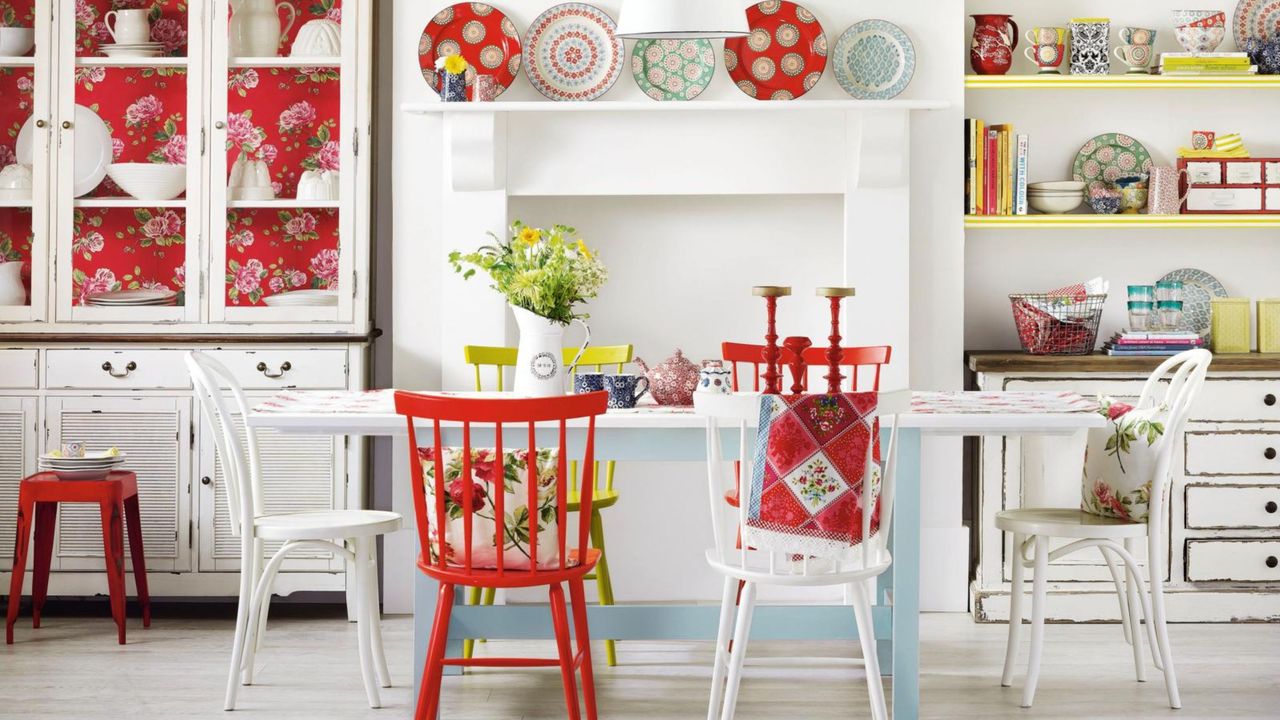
(469, 645)
(603, 584)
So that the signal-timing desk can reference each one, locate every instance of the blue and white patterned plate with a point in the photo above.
(874, 60)
(572, 53)
(1198, 288)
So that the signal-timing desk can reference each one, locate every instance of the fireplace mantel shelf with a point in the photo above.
(523, 106)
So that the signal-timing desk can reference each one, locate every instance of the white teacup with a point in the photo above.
(130, 27)
(16, 182)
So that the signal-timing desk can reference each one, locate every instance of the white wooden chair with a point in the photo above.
(1034, 528)
(751, 567)
(352, 534)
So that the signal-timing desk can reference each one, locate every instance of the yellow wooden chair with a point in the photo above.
(597, 358)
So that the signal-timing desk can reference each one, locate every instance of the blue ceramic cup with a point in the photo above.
(588, 382)
(625, 390)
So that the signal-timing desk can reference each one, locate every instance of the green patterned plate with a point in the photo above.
(1198, 288)
(673, 69)
(1109, 157)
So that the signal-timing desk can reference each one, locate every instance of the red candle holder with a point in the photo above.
(797, 345)
(772, 373)
(834, 353)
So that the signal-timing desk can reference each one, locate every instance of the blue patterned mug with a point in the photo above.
(625, 390)
(588, 382)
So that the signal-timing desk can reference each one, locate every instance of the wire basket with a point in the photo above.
(1057, 324)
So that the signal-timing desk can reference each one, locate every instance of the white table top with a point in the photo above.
(373, 413)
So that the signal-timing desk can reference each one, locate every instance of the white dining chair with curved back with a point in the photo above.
(858, 570)
(1116, 538)
(350, 534)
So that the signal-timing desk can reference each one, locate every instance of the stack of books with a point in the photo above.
(1154, 343)
(995, 173)
(1185, 64)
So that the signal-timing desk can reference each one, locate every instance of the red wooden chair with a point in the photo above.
(451, 568)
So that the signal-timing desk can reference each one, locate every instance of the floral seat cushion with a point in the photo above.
(483, 488)
(1120, 461)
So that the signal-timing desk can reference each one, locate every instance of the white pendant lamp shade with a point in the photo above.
(682, 19)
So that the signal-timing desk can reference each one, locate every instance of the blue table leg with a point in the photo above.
(906, 578)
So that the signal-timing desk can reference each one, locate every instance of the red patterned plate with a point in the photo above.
(783, 57)
(484, 37)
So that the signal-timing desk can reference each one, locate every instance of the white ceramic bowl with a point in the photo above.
(15, 42)
(1057, 186)
(149, 181)
(15, 182)
(1200, 39)
(1055, 205)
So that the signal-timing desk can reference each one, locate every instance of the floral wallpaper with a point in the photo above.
(127, 249)
(273, 251)
(144, 110)
(305, 10)
(17, 13)
(168, 23)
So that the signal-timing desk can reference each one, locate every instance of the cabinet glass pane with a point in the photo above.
(275, 251)
(166, 26)
(17, 91)
(128, 249)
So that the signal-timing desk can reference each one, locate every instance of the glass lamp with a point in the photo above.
(682, 19)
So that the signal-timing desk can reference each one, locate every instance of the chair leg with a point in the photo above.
(349, 574)
(728, 605)
(133, 526)
(1118, 579)
(259, 606)
(428, 707)
(741, 632)
(469, 644)
(870, 656)
(23, 537)
(243, 611)
(363, 626)
(560, 619)
(1015, 611)
(1162, 629)
(113, 549)
(373, 613)
(46, 520)
(258, 632)
(1129, 616)
(578, 597)
(1038, 599)
(603, 584)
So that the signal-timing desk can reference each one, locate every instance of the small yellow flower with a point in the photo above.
(530, 236)
(455, 64)
(582, 248)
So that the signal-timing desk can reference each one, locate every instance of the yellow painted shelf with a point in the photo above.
(1124, 82)
(1121, 221)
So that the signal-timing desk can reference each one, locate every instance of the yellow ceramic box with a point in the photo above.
(1269, 325)
(1230, 325)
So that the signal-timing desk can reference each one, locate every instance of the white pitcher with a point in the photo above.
(540, 370)
(255, 29)
(11, 290)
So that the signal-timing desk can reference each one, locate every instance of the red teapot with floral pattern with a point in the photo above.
(672, 381)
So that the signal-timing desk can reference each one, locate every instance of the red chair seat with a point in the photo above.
(478, 577)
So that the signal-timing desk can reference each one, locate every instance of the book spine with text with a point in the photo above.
(993, 160)
(1021, 191)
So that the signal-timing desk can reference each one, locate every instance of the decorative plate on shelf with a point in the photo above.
(1109, 157)
(92, 149)
(784, 55)
(1198, 288)
(1256, 19)
(673, 69)
(874, 60)
(572, 53)
(481, 34)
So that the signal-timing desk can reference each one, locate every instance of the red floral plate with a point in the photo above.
(783, 57)
(482, 34)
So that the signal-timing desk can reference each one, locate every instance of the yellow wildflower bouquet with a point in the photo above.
(545, 272)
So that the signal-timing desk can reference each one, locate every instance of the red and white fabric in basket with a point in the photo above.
(813, 454)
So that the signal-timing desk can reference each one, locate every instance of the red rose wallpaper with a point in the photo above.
(127, 249)
(273, 251)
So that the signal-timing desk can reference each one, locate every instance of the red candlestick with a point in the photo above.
(772, 373)
(797, 345)
(834, 353)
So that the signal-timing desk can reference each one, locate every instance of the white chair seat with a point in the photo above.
(757, 569)
(1066, 522)
(325, 524)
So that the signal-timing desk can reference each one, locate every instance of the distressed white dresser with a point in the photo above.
(1224, 539)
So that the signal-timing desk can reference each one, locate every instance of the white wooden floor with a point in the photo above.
(72, 668)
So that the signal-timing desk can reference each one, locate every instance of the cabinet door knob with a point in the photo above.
(1269, 453)
(1269, 399)
(112, 371)
(285, 367)
(206, 480)
(219, 125)
(1271, 561)
(41, 124)
(1270, 507)
(66, 124)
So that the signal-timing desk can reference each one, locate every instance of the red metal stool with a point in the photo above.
(38, 498)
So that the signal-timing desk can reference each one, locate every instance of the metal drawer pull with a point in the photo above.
(1270, 507)
(1269, 400)
(1272, 562)
(284, 368)
(1269, 453)
(127, 369)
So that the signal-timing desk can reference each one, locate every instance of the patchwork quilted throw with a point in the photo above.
(488, 478)
(813, 454)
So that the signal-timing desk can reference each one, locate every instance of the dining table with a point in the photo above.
(1051, 424)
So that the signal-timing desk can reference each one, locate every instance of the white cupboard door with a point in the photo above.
(155, 433)
(144, 117)
(26, 115)
(299, 473)
(19, 445)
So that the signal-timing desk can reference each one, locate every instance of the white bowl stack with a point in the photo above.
(150, 181)
(91, 466)
(1056, 198)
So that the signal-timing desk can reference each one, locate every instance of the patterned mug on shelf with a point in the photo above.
(1137, 57)
(1137, 36)
(625, 390)
(588, 382)
(1090, 46)
(1164, 196)
(995, 37)
(1048, 47)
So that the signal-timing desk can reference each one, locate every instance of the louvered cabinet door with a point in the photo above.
(18, 450)
(299, 473)
(155, 433)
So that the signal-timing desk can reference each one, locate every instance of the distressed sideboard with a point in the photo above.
(1224, 534)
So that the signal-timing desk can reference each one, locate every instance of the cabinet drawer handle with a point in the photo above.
(285, 367)
(1272, 562)
(1270, 507)
(1269, 453)
(1269, 400)
(127, 369)
(206, 480)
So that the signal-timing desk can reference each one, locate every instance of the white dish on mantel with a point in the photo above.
(303, 298)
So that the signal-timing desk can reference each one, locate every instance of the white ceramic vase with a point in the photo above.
(540, 368)
(11, 290)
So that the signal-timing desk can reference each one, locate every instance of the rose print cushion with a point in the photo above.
(1120, 460)
(483, 487)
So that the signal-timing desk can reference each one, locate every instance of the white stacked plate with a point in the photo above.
(93, 466)
(119, 50)
(303, 298)
(133, 298)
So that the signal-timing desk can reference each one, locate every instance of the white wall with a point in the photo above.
(681, 265)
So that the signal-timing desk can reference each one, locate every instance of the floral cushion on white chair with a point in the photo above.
(515, 475)
(1120, 460)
